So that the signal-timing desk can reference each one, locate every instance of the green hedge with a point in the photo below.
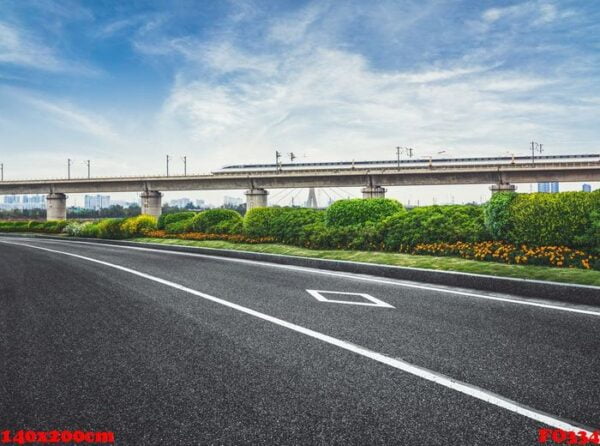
(566, 218)
(357, 211)
(46, 227)
(430, 224)
(136, 226)
(258, 222)
(284, 224)
(217, 221)
(166, 219)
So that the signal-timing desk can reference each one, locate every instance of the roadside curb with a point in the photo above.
(567, 293)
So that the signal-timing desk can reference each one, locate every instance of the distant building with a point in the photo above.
(24, 202)
(232, 201)
(96, 202)
(551, 187)
(200, 204)
(586, 188)
(180, 202)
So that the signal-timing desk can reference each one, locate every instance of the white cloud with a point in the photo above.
(73, 118)
(332, 104)
(537, 12)
(18, 47)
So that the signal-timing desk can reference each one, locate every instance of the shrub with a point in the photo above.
(89, 229)
(178, 227)
(214, 220)
(565, 219)
(284, 224)
(134, 226)
(432, 224)
(258, 222)
(359, 211)
(167, 219)
(365, 237)
(14, 226)
(110, 228)
(81, 229)
(497, 215)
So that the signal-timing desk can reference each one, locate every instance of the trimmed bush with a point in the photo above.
(566, 218)
(135, 226)
(258, 222)
(178, 227)
(110, 228)
(167, 219)
(357, 211)
(14, 226)
(214, 220)
(288, 223)
(497, 216)
(89, 229)
(81, 229)
(365, 237)
(431, 224)
(284, 224)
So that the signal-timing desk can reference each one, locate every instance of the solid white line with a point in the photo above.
(429, 375)
(354, 277)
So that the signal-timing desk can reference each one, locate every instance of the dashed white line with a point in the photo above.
(429, 375)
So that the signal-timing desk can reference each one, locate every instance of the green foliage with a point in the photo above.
(566, 218)
(284, 224)
(497, 216)
(258, 222)
(167, 219)
(14, 226)
(134, 226)
(179, 227)
(359, 211)
(110, 228)
(214, 220)
(432, 224)
(365, 237)
(89, 229)
(81, 229)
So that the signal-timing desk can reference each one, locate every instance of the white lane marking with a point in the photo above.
(373, 301)
(428, 375)
(398, 282)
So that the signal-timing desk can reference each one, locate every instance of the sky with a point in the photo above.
(125, 83)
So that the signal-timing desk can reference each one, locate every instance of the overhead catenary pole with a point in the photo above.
(277, 157)
(184, 158)
(69, 162)
(535, 147)
(1, 171)
(168, 159)
(88, 162)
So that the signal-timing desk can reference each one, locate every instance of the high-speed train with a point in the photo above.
(408, 163)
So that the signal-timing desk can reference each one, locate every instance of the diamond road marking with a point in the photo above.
(372, 301)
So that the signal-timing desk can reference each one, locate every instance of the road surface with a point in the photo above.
(180, 349)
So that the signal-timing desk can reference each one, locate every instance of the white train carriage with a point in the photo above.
(408, 163)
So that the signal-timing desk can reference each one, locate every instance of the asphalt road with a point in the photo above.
(164, 348)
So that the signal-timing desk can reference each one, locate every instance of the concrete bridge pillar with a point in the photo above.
(56, 206)
(256, 198)
(373, 192)
(502, 187)
(151, 203)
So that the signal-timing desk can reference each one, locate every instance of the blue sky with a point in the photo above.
(124, 83)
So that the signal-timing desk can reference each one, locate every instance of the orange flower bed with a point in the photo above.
(236, 238)
(558, 256)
